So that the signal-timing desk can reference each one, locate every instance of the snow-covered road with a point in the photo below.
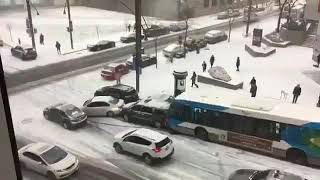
(193, 159)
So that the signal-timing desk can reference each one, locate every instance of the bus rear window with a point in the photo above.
(163, 143)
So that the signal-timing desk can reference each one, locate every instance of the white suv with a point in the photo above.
(146, 143)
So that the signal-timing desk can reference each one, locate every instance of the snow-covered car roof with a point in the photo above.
(113, 65)
(103, 42)
(149, 134)
(215, 33)
(171, 47)
(122, 87)
(158, 102)
(38, 148)
(102, 99)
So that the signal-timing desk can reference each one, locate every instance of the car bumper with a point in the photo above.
(62, 175)
(168, 156)
(79, 123)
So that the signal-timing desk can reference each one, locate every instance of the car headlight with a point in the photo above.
(115, 109)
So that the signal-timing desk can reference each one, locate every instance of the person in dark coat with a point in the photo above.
(41, 39)
(58, 46)
(193, 79)
(238, 63)
(19, 41)
(253, 81)
(253, 90)
(318, 104)
(296, 93)
(197, 48)
(204, 66)
(318, 59)
(129, 27)
(211, 60)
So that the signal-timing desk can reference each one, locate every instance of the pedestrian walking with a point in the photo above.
(197, 48)
(296, 93)
(253, 81)
(58, 46)
(212, 60)
(253, 90)
(19, 41)
(171, 58)
(204, 66)
(41, 39)
(193, 79)
(238, 63)
(318, 104)
(318, 60)
(129, 27)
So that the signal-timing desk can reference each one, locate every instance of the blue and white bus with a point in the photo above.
(266, 125)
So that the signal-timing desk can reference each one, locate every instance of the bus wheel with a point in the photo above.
(296, 156)
(201, 134)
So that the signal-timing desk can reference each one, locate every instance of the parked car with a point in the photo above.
(67, 115)
(229, 13)
(253, 17)
(49, 160)
(151, 111)
(120, 91)
(215, 36)
(156, 30)
(173, 50)
(178, 26)
(101, 45)
(1, 42)
(130, 37)
(103, 106)
(24, 52)
(148, 144)
(146, 60)
(110, 71)
(191, 43)
(271, 174)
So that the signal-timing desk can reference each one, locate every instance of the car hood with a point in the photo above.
(78, 115)
(64, 163)
(241, 174)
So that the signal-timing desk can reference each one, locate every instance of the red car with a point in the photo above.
(112, 70)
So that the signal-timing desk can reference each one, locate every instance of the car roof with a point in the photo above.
(38, 148)
(157, 101)
(148, 134)
(103, 42)
(215, 32)
(64, 106)
(113, 65)
(101, 99)
(122, 87)
(171, 47)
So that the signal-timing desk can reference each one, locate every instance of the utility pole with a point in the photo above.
(156, 48)
(70, 28)
(31, 29)
(138, 42)
(249, 14)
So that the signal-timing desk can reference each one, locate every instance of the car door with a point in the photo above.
(135, 112)
(135, 145)
(34, 162)
(146, 115)
(54, 115)
(91, 109)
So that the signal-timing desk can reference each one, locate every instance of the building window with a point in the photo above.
(206, 3)
(214, 3)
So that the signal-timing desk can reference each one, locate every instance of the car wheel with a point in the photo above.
(51, 176)
(201, 134)
(110, 114)
(66, 125)
(118, 148)
(147, 159)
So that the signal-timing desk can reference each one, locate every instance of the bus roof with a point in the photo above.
(259, 107)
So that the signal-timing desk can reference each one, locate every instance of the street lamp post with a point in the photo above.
(31, 29)
(70, 28)
(138, 42)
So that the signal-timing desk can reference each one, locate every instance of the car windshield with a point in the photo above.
(54, 155)
(163, 143)
(71, 110)
(113, 100)
(260, 175)
(128, 133)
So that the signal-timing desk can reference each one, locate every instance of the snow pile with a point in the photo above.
(220, 73)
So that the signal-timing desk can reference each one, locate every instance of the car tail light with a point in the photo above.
(157, 150)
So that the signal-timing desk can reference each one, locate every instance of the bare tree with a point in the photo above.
(249, 16)
(281, 8)
(291, 4)
(186, 13)
(230, 12)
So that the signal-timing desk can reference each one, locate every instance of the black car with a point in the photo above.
(271, 174)
(146, 60)
(120, 91)
(67, 115)
(24, 53)
(101, 45)
(156, 30)
(191, 44)
(129, 38)
(150, 111)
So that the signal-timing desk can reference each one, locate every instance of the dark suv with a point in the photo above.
(120, 91)
(150, 112)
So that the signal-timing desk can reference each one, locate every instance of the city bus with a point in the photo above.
(265, 125)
